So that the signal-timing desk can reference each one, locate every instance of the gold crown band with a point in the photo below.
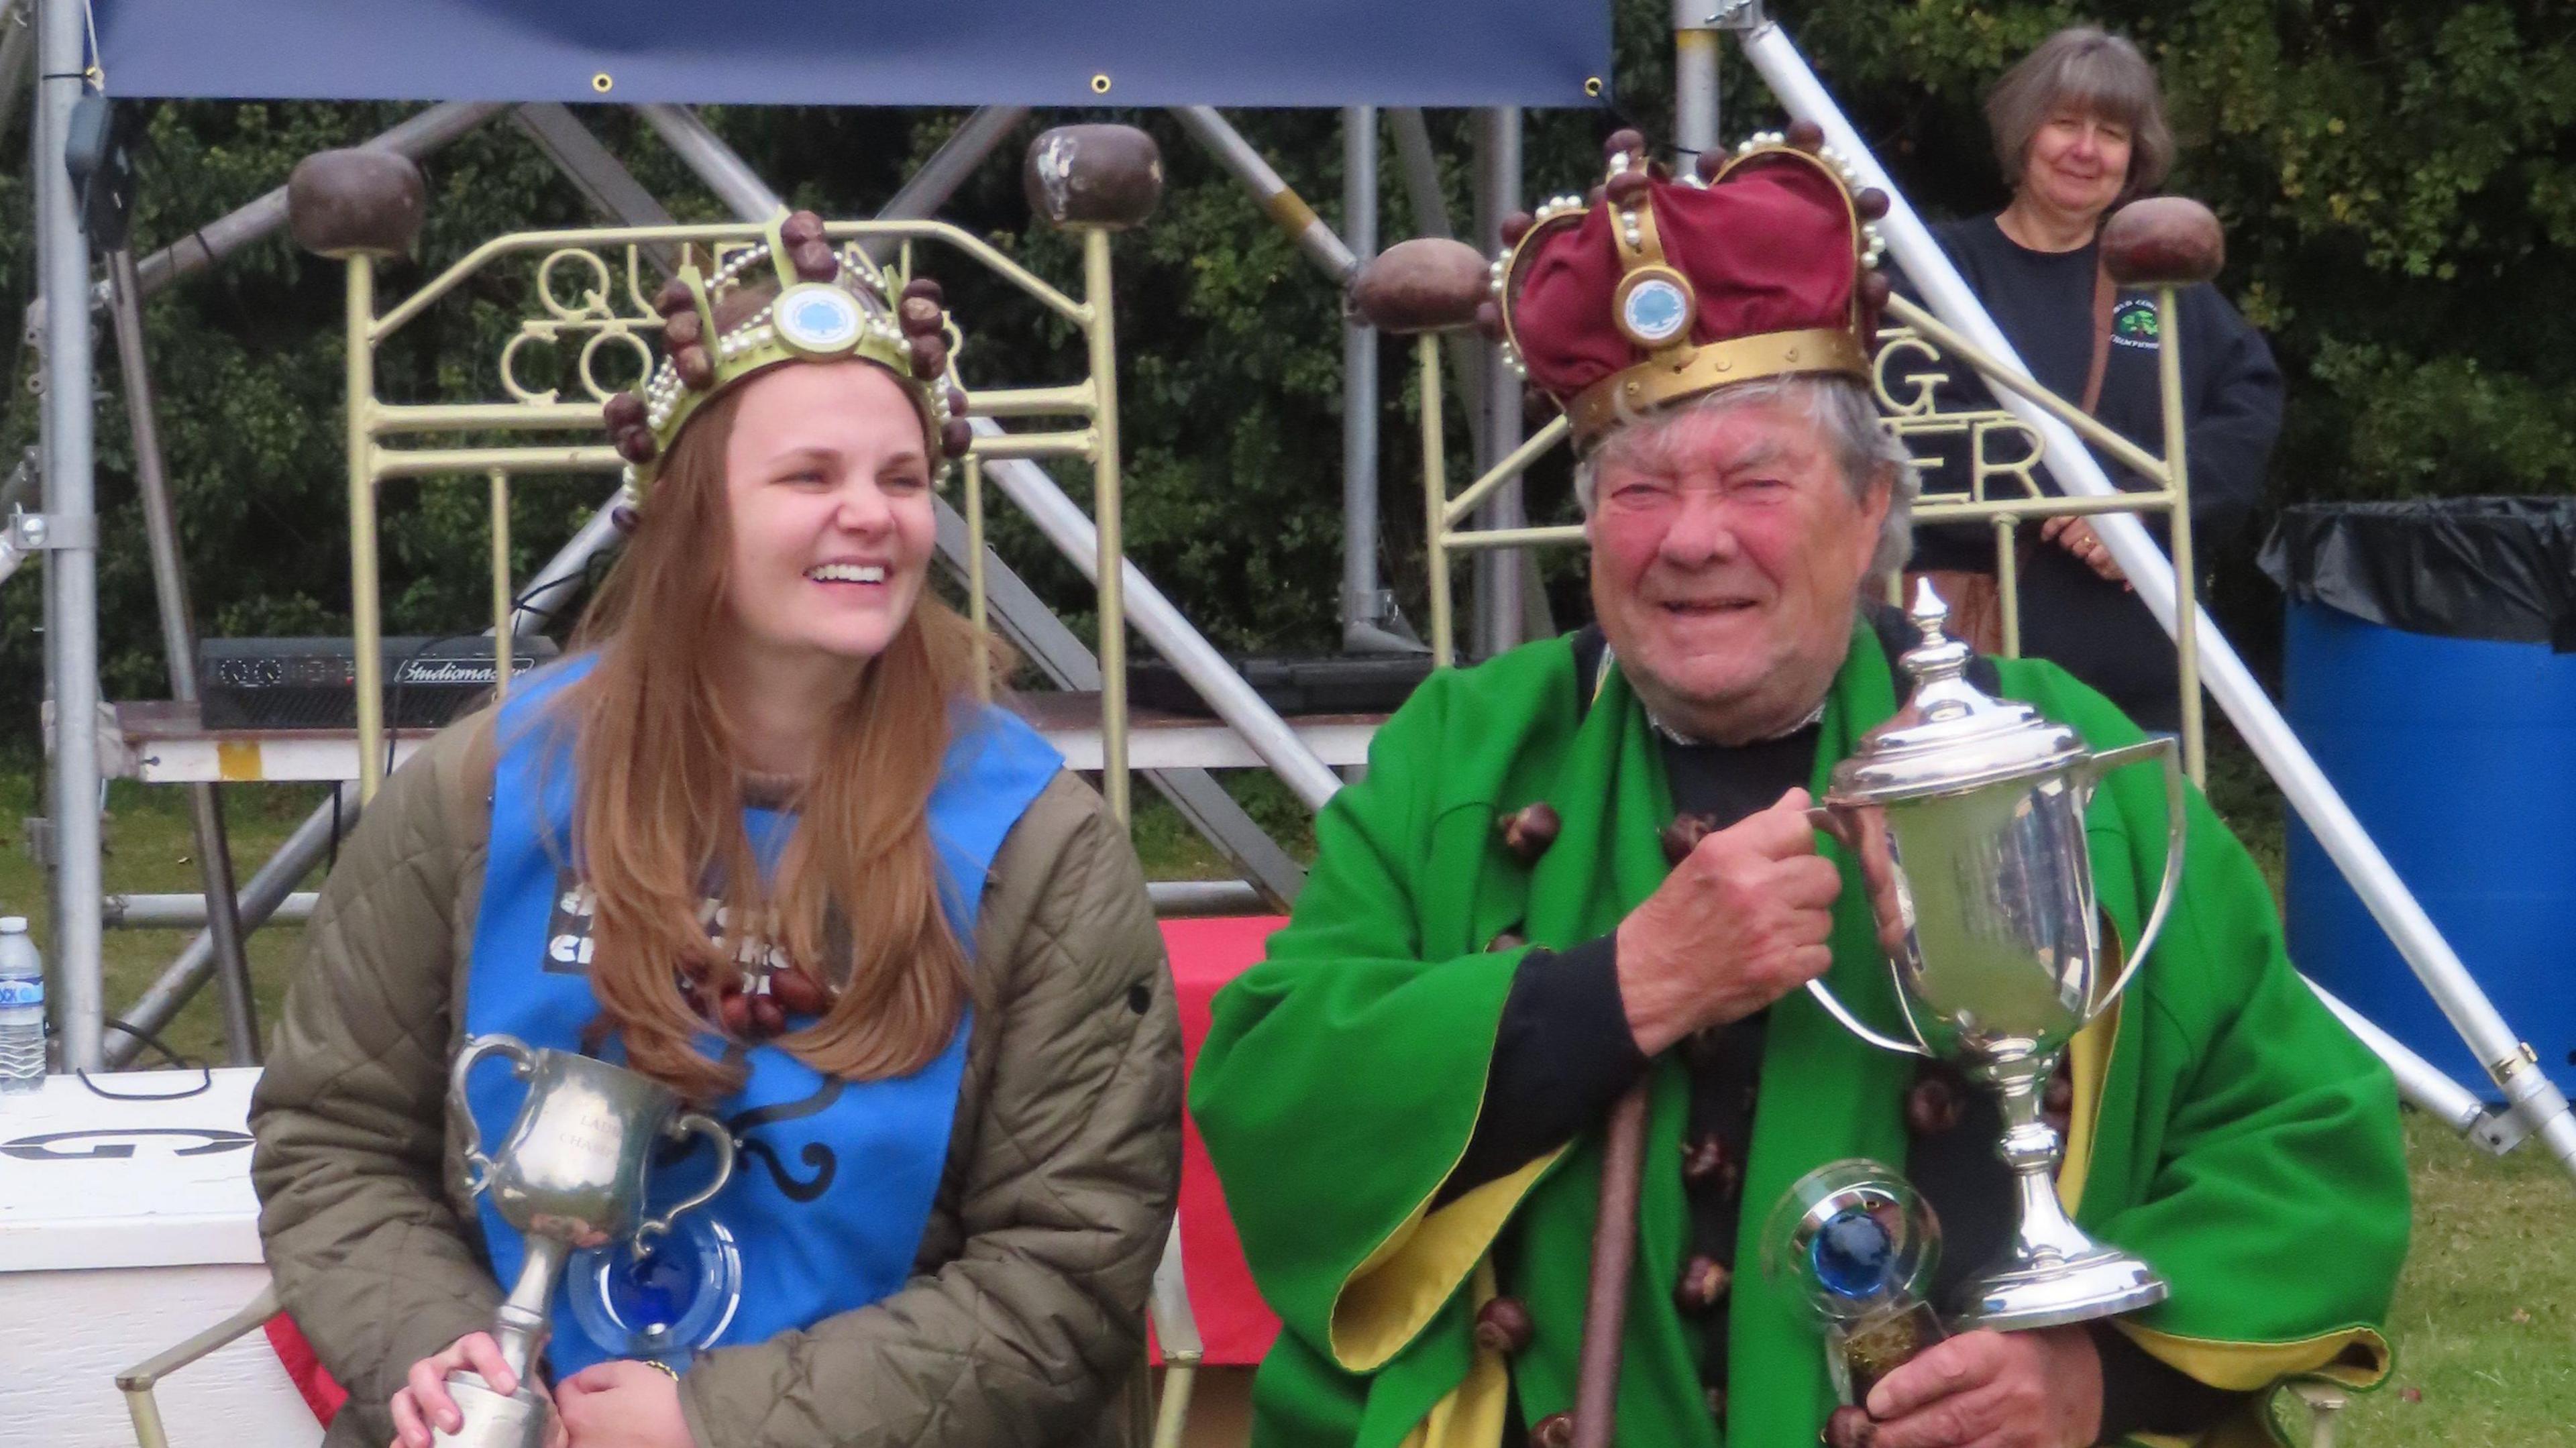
(845, 307)
(1652, 383)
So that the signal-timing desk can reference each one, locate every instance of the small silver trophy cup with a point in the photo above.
(1966, 815)
(1858, 1245)
(572, 1174)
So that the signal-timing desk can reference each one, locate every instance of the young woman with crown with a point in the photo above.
(758, 840)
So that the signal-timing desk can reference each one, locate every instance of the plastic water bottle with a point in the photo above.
(22, 1008)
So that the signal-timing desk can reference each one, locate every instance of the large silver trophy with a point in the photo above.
(1966, 815)
(572, 1174)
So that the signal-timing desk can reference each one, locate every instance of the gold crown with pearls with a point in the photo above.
(829, 305)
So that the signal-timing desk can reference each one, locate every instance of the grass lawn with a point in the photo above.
(2485, 1319)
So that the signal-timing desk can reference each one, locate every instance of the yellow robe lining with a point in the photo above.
(1470, 1415)
(1394, 1294)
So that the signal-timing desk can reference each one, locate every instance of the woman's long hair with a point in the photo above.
(658, 827)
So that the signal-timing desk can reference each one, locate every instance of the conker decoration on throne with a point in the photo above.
(1653, 290)
(827, 304)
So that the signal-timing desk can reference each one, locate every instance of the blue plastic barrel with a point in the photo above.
(2459, 757)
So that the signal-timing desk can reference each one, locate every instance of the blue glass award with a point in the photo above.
(1858, 1245)
(663, 1298)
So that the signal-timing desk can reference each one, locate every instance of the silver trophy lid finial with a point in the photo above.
(1950, 735)
(1939, 657)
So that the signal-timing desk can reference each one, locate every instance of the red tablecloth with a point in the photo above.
(1234, 1322)
(1236, 1325)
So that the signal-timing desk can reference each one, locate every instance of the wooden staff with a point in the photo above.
(1614, 1256)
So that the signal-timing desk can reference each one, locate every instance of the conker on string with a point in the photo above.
(1529, 830)
(625, 519)
(622, 411)
(929, 357)
(1683, 836)
(956, 403)
(1625, 141)
(683, 329)
(1703, 1157)
(1848, 1427)
(1625, 188)
(674, 297)
(919, 316)
(1489, 319)
(1870, 202)
(694, 366)
(800, 993)
(1709, 164)
(1875, 289)
(635, 444)
(924, 287)
(1935, 1105)
(814, 261)
(800, 228)
(1806, 136)
(956, 435)
(733, 1008)
(1504, 1325)
(1516, 226)
(767, 1018)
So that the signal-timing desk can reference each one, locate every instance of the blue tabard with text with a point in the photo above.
(834, 1180)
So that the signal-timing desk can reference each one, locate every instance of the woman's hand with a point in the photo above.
(2036, 1389)
(2076, 536)
(623, 1404)
(423, 1401)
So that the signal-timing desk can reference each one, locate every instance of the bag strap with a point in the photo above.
(2105, 298)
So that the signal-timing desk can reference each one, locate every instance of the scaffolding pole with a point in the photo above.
(1368, 608)
(71, 525)
(1500, 617)
(179, 644)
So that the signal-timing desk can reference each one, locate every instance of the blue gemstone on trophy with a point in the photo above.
(1853, 1255)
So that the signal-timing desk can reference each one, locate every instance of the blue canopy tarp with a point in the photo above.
(864, 52)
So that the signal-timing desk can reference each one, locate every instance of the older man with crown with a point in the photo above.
(1584, 871)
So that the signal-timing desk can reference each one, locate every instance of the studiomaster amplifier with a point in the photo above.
(313, 683)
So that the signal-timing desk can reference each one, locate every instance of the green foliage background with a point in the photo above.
(2398, 181)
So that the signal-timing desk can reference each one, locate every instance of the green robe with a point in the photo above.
(2227, 1128)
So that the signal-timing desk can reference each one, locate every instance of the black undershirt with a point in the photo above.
(1563, 1055)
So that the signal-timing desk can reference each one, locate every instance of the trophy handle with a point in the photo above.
(693, 1124)
(478, 1167)
(1825, 822)
(2177, 823)
(1853, 1023)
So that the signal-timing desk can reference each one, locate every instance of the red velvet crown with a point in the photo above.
(1653, 290)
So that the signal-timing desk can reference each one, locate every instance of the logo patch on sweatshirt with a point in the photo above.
(2133, 324)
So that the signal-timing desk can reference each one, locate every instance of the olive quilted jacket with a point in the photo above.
(1023, 1322)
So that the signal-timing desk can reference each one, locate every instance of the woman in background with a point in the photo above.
(2079, 129)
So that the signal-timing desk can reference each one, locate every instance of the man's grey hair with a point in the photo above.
(1864, 448)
